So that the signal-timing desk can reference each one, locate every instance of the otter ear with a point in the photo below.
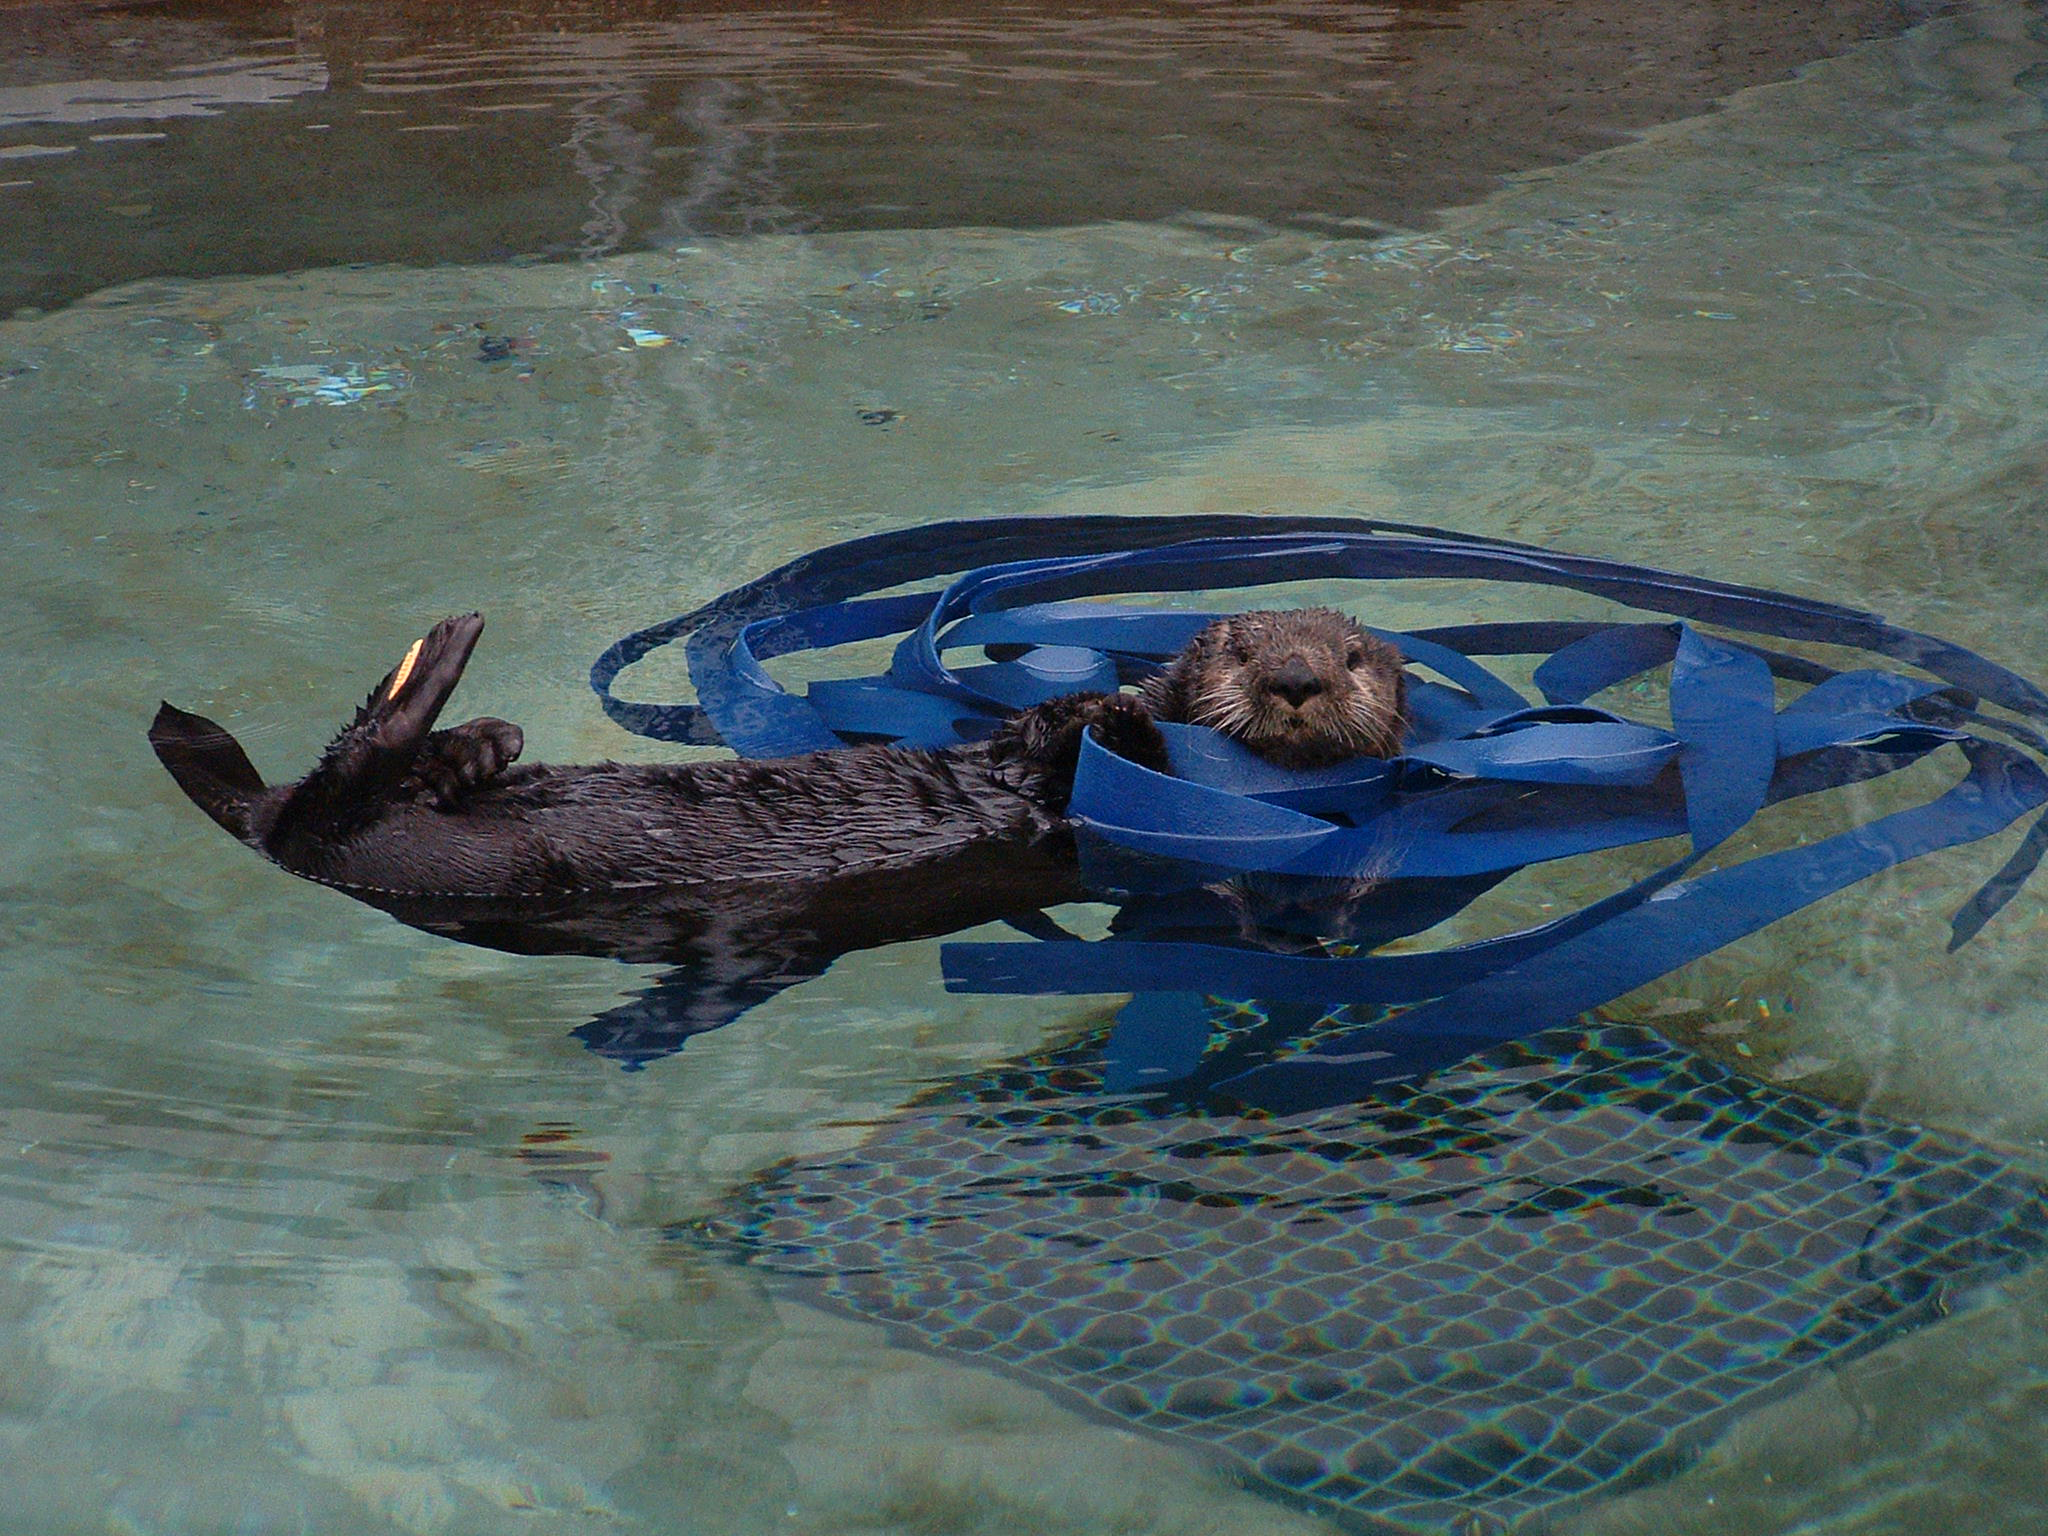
(209, 765)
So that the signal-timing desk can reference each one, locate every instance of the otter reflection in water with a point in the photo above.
(748, 876)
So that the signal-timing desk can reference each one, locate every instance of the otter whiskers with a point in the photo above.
(1303, 688)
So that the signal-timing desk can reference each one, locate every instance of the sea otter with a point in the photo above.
(1301, 687)
(395, 808)
(748, 876)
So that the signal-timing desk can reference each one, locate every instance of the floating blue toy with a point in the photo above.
(1491, 781)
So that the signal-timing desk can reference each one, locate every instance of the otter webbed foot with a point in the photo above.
(463, 758)
(371, 761)
(1044, 742)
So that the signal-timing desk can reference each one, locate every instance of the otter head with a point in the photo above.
(1301, 687)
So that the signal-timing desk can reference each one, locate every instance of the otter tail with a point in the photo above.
(209, 765)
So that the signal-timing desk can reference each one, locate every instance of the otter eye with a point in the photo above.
(1354, 659)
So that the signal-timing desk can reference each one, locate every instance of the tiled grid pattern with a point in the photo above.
(1516, 1283)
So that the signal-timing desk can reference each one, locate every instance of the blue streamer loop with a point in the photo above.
(1490, 780)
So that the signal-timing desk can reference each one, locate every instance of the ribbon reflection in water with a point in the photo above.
(1553, 1269)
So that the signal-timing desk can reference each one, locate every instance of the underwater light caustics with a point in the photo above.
(1560, 1266)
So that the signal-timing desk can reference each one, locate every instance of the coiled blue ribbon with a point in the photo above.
(1490, 781)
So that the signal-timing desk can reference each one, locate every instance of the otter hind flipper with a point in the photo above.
(209, 765)
(403, 707)
(363, 772)
(377, 749)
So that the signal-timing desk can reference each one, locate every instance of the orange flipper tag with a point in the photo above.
(404, 670)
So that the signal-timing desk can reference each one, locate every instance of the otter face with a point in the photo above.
(1301, 687)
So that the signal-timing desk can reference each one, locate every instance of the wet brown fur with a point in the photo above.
(1301, 687)
(750, 876)
(395, 808)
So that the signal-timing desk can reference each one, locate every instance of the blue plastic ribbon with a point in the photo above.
(1488, 782)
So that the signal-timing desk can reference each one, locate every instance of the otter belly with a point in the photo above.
(622, 827)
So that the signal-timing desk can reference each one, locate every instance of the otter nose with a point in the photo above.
(1296, 682)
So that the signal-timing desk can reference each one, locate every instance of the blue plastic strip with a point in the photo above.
(1102, 555)
(880, 561)
(1678, 924)
(1544, 750)
(1489, 691)
(1600, 660)
(2000, 888)
(1098, 626)
(1721, 709)
(1204, 756)
(1487, 783)
(1500, 988)
(861, 707)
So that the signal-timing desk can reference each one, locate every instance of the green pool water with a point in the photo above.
(316, 1224)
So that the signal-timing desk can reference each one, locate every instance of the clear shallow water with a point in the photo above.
(276, 1260)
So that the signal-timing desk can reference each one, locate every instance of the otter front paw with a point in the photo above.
(1044, 742)
(1126, 727)
(463, 758)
